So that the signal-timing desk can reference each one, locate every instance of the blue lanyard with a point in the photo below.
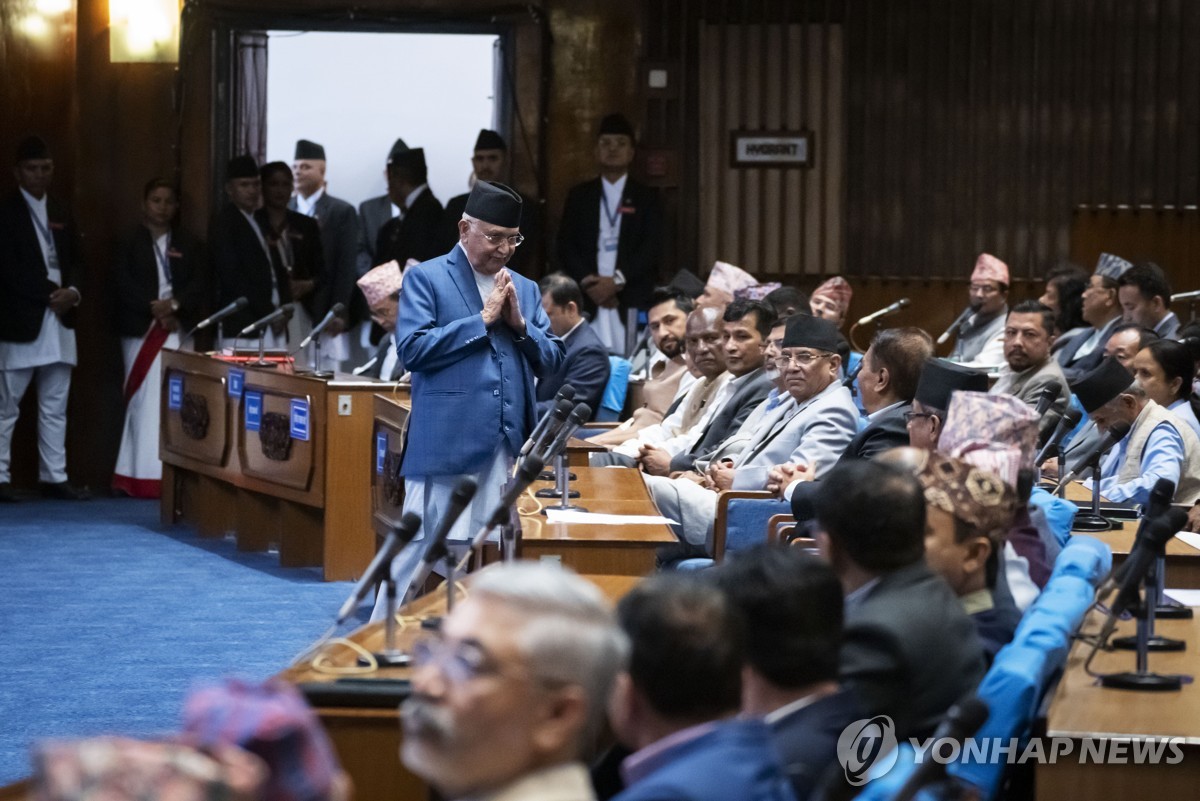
(163, 260)
(43, 230)
(610, 216)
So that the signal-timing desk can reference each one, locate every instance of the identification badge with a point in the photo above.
(299, 419)
(253, 402)
(380, 451)
(237, 382)
(609, 244)
(175, 392)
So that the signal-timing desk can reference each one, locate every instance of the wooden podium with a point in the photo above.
(275, 457)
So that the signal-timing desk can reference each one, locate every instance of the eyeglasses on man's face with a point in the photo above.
(801, 358)
(910, 416)
(496, 239)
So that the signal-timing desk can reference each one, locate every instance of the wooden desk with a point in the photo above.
(1183, 561)
(598, 549)
(1080, 708)
(314, 502)
(368, 740)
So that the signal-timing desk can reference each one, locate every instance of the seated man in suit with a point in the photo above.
(939, 380)
(1029, 368)
(1145, 296)
(1158, 445)
(381, 288)
(676, 706)
(812, 428)
(511, 690)
(667, 376)
(586, 367)
(791, 609)
(1101, 311)
(909, 650)
(887, 382)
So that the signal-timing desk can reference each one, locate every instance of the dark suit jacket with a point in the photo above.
(25, 286)
(135, 281)
(241, 268)
(413, 236)
(806, 740)
(375, 368)
(1074, 370)
(639, 248)
(585, 368)
(909, 650)
(883, 433)
(343, 248)
(308, 254)
(734, 762)
(372, 214)
(728, 420)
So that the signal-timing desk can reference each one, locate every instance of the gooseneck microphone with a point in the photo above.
(1193, 295)
(962, 721)
(1116, 433)
(561, 411)
(884, 312)
(527, 473)
(464, 491)
(284, 312)
(219, 315)
(579, 415)
(1158, 505)
(397, 539)
(962, 318)
(566, 393)
(1046, 398)
(336, 310)
(1066, 425)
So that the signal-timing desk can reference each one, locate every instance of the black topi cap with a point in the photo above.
(494, 203)
(616, 124)
(241, 167)
(309, 151)
(398, 147)
(804, 331)
(32, 147)
(940, 378)
(490, 140)
(688, 283)
(1101, 385)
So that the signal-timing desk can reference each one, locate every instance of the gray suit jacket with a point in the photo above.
(372, 214)
(814, 434)
(728, 420)
(909, 650)
(1027, 385)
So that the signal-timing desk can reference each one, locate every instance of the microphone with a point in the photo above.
(1153, 540)
(1066, 425)
(284, 312)
(884, 312)
(963, 720)
(334, 311)
(221, 314)
(1194, 295)
(579, 415)
(1115, 434)
(850, 379)
(527, 473)
(567, 393)
(1158, 505)
(962, 318)
(561, 410)
(1046, 398)
(464, 491)
(397, 539)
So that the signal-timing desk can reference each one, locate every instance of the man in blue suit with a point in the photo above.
(675, 707)
(474, 337)
(586, 367)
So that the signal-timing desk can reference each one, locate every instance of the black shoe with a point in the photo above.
(8, 494)
(64, 492)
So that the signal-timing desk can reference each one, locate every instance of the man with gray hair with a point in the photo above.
(509, 697)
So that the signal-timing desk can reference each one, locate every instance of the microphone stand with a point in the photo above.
(262, 345)
(562, 489)
(1146, 639)
(1164, 606)
(390, 656)
(1091, 521)
(314, 360)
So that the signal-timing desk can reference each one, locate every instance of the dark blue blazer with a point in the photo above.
(737, 760)
(585, 368)
(472, 386)
(883, 433)
(806, 740)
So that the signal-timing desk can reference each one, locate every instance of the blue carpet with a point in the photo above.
(107, 620)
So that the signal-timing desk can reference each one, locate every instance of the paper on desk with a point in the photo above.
(593, 518)
(1185, 597)
(1189, 538)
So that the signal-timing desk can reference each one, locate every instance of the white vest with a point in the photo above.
(1151, 416)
